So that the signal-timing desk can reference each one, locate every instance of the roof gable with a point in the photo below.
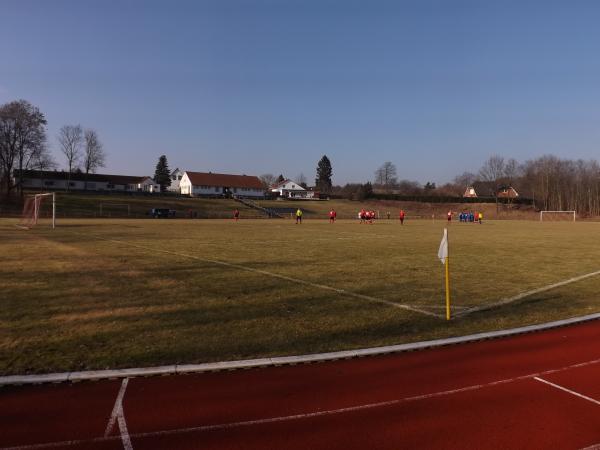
(224, 180)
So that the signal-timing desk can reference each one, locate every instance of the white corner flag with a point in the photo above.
(443, 251)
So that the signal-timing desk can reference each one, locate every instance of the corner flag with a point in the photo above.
(443, 251)
(443, 255)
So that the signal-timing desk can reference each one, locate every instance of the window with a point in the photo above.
(179, 177)
(71, 183)
(110, 186)
(174, 178)
(91, 185)
(216, 189)
(48, 183)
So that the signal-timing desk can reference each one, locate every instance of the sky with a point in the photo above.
(270, 86)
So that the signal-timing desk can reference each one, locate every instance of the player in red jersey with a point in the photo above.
(236, 215)
(332, 215)
(401, 217)
(449, 216)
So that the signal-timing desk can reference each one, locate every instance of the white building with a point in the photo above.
(52, 180)
(290, 189)
(176, 177)
(219, 184)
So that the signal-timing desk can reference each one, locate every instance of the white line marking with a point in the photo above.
(118, 405)
(307, 415)
(119, 416)
(592, 447)
(275, 275)
(506, 301)
(576, 394)
(125, 439)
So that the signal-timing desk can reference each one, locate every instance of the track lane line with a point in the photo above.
(267, 420)
(562, 388)
(118, 404)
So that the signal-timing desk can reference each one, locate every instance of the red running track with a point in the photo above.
(539, 390)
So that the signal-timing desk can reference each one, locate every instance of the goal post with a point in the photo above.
(554, 216)
(32, 208)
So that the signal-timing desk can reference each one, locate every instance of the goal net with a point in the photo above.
(36, 207)
(557, 216)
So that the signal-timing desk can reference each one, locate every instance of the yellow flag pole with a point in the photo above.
(447, 279)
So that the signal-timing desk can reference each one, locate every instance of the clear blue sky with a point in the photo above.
(263, 86)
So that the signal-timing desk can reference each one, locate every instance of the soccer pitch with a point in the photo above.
(95, 294)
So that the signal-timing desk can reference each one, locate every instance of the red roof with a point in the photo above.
(224, 180)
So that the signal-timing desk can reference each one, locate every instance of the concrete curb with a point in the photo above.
(279, 361)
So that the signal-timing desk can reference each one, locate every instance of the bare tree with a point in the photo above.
(511, 170)
(70, 138)
(22, 136)
(268, 180)
(465, 180)
(386, 175)
(94, 156)
(493, 169)
(301, 180)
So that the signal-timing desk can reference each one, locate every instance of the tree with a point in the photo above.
(324, 172)
(22, 139)
(365, 191)
(280, 179)
(385, 176)
(94, 156)
(301, 180)
(268, 180)
(70, 138)
(429, 186)
(162, 174)
(465, 180)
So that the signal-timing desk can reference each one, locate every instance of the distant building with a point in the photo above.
(470, 192)
(507, 192)
(78, 181)
(220, 184)
(290, 189)
(176, 177)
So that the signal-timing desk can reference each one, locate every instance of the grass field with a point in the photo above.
(96, 294)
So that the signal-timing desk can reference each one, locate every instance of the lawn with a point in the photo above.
(106, 293)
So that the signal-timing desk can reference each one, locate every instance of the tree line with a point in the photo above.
(24, 146)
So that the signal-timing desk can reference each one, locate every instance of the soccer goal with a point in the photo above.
(32, 210)
(557, 216)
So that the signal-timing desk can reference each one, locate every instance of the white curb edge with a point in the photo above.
(278, 361)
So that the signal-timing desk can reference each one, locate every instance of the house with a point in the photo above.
(176, 177)
(290, 189)
(470, 192)
(78, 181)
(220, 184)
(507, 192)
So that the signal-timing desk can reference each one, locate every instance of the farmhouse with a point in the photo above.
(220, 184)
(176, 177)
(507, 192)
(470, 192)
(290, 189)
(53, 180)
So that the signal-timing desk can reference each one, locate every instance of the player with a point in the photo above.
(363, 215)
(480, 217)
(298, 216)
(236, 215)
(449, 215)
(401, 217)
(332, 215)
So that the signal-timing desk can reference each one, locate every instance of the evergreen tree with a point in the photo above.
(162, 174)
(280, 179)
(324, 171)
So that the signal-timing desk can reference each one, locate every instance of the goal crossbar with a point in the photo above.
(570, 213)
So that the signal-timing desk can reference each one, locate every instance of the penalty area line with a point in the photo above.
(276, 275)
(523, 295)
